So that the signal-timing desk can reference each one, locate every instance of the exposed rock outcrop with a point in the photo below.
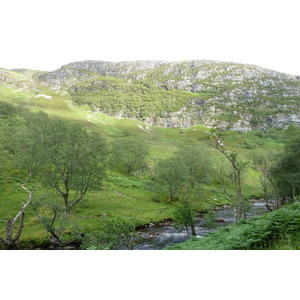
(114, 69)
(181, 94)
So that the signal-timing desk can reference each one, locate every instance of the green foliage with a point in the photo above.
(174, 174)
(184, 214)
(287, 168)
(129, 154)
(261, 232)
(291, 133)
(62, 156)
(7, 109)
(112, 234)
(197, 158)
(210, 218)
(238, 166)
(185, 171)
(264, 161)
(121, 194)
(137, 99)
(52, 215)
(277, 134)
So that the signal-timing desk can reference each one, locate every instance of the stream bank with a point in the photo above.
(162, 235)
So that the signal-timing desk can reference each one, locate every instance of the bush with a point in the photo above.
(257, 233)
(7, 109)
(112, 234)
(184, 214)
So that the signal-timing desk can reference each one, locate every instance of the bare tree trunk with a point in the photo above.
(66, 202)
(53, 233)
(193, 230)
(10, 240)
(294, 197)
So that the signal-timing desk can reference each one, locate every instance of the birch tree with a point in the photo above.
(14, 227)
(63, 156)
(238, 166)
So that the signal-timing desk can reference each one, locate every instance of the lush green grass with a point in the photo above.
(9, 93)
(123, 195)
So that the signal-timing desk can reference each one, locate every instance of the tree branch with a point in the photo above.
(24, 206)
(10, 224)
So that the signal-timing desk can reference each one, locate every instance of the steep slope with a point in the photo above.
(122, 194)
(182, 94)
(17, 80)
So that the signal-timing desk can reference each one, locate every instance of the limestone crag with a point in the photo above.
(62, 79)
(182, 94)
(114, 69)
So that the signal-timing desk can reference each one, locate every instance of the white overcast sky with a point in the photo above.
(44, 34)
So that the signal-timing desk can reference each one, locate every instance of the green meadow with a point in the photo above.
(121, 194)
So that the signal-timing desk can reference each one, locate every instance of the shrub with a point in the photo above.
(257, 233)
(112, 234)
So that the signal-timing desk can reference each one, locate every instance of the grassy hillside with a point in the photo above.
(182, 94)
(122, 194)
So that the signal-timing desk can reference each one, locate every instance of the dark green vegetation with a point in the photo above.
(112, 234)
(89, 172)
(129, 154)
(287, 170)
(60, 155)
(139, 100)
(184, 214)
(276, 230)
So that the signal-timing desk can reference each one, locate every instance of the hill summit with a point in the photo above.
(181, 94)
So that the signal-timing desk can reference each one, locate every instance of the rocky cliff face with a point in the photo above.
(114, 69)
(62, 79)
(181, 94)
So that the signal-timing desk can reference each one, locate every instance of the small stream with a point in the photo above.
(160, 237)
